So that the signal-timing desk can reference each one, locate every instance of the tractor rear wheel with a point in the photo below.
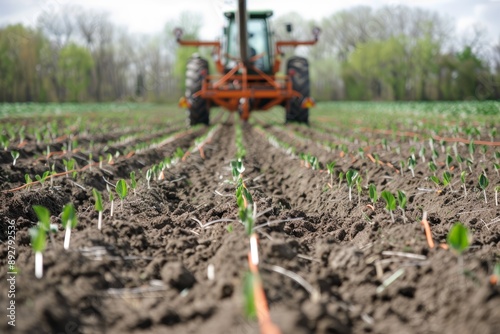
(298, 69)
(197, 70)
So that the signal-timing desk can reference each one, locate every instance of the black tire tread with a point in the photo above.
(198, 113)
(301, 84)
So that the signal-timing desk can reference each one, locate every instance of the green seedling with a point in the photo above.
(133, 182)
(462, 179)
(432, 167)
(51, 174)
(459, 240)
(435, 179)
(42, 178)
(472, 150)
(402, 167)
(179, 153)
(149, 175)
(447, 176)
(449, 161)
(4, 141)
(484, 149)
(101, 158)
(68, 164)
(483, 184)
(350, 177)
(69, 221)
(359, 188)
(361, 153)
(372, 191)
(421, 153)
(497, 168)
(330, 167)
(28, 179)
(390, 202)
(469, 163)
(38, 243)
(122, 191)
(237, 169)
(412, 163)
(341, 176)
(385, 144)
(98, 207)
(460, 160)
(435, 155)
(15, 156)
(43, 215)
(431, 143)
(442, 144)
(497, 156)
(313, 162)
(402, 201)
(493, 133)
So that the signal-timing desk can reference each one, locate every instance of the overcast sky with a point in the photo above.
(150, 16)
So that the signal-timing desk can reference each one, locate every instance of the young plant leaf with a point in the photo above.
(43, 215)
(133, 181)
(121, 189)
(458, 238)
(483, 182)
(69, 216)
(389, 199)
(98, 200)
(38, 238)
(435, 179)
(351, 176)
(402, 200)
(15, 156)
(446, 178)
(372, 191)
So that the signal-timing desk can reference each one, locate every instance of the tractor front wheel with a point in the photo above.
(197, 70)
(298, 70)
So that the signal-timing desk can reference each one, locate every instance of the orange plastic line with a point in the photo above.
(265, 323)
(427, 230)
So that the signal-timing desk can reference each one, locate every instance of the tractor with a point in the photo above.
(247, 63)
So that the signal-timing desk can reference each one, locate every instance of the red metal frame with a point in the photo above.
(233, 91)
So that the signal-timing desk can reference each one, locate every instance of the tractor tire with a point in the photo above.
(298, 67)
(196, 70)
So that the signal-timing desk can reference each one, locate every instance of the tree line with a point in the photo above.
(391, 53)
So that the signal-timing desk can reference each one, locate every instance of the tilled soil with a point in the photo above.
(146, 270)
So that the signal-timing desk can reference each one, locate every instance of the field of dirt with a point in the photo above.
(146, 270)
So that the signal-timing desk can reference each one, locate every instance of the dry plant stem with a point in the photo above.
(315, 294)
(403, 254)
(427, 229)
